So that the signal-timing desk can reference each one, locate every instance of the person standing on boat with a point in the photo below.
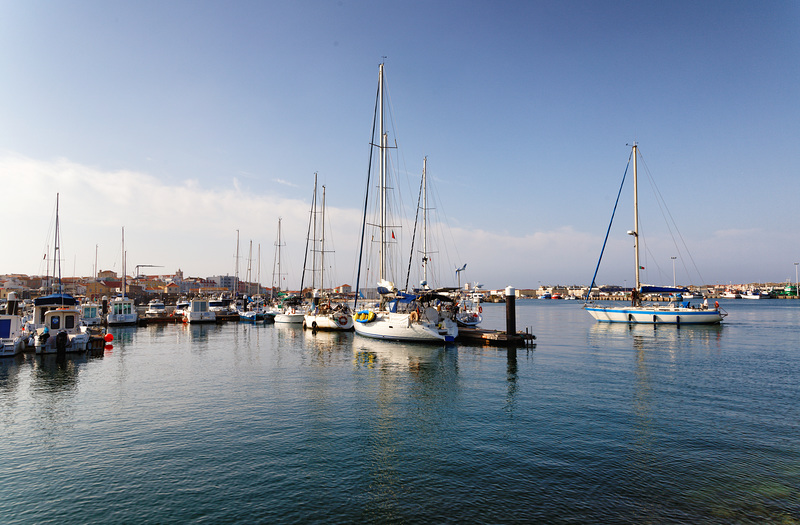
(705, 303)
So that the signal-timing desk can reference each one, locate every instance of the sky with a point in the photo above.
(190, 123)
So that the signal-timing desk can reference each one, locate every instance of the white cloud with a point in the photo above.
(193, 227)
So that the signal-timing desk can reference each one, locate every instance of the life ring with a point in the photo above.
(413, 316)
(342, 320)
(480, 309)
(291, 310)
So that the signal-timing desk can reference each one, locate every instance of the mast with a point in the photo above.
(236, 270)
(322, 246)
(123, 262)
(314, 237)
(382, 178)
(249, 268)
(311, 239)
(57, 250)
(424, 220)
(278, 258)
(636, 222)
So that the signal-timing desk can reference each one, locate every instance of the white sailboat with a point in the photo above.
(290, 310)
(322, 314)
(673, 313)
(399, 316)
(123, 311)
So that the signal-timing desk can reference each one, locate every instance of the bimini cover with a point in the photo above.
(662, 289)
(61, 299)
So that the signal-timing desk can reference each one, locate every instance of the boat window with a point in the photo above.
(69, 321)
(54, 322)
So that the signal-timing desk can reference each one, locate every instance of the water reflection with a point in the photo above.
(327, 347)
(289, 332)
(9, 372)
(375, 353)
(123, 335)
(53, 387)
(10, 376)
(411, 390)
(668, 338)
(511, 380)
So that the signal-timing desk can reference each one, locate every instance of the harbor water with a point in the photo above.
(270, 424)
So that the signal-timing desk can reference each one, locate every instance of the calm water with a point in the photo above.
(268, 424)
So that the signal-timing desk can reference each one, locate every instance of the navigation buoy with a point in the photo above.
(108, 338)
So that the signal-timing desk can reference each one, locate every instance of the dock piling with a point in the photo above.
(511, 311)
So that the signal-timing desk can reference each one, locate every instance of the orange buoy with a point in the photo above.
(108, 338)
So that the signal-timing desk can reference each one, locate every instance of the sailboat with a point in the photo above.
(290, 309)
(399, 316)
(677, 313)
(123, 311)
(322, 314)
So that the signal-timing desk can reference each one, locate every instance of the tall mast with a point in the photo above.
(636, 215)
(314, 236)
(322, 246)
(249, 268)
(279, 256)
(236, 270)
(57, 251)
(123, 262)
(382, 181)
(424, 220)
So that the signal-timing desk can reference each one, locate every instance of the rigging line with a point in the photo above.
(308, 234)
(660, 200)
(414, 233)
(597, 268)
(366, 198)
(441, 222)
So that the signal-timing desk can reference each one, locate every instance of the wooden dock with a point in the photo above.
(494, 337)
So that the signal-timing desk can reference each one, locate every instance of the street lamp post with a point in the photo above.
(673, 272)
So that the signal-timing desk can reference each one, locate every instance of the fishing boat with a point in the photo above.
(399, 316)
(156, 309)
(199, 311)
(61, 332)
(323, 314)
(677, 313)
(91, 314)
(181, 306)
(55, 324)
(122, 310)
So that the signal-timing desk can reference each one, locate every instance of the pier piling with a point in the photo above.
(511, 311)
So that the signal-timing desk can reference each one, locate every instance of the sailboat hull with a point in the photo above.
(654, 315)
(289, 318)
(399, 327)
(332, 321)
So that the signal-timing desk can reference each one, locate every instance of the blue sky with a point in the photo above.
(185, 121)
